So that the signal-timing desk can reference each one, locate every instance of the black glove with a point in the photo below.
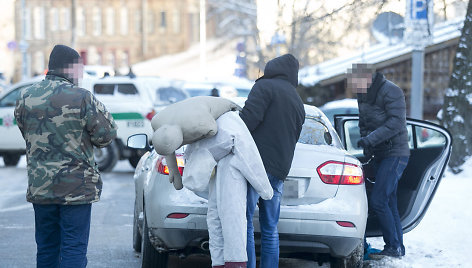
(363, 143)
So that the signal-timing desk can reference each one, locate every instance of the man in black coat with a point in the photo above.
(274, 114)
(384, 136)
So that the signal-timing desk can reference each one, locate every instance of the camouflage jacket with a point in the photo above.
(60, 124)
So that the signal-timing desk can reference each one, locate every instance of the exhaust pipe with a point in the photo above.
(205, 245)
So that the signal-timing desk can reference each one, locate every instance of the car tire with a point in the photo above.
(355, 260)
(106, 157)
(151, 258)
(11, 160)
(137, 238)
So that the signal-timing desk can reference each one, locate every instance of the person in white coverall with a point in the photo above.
(233, 151)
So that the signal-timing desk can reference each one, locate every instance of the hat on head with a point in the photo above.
(61, 56)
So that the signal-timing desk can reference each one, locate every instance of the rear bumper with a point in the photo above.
(305, 229)
(179, 239)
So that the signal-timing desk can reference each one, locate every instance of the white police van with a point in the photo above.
(128, 99)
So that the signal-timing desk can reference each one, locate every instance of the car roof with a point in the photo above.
(28, 81)
(343, 103)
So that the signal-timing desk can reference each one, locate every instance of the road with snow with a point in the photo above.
(442, 239)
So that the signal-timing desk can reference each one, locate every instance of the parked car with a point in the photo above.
(230, 87)
(344, 106)
(166, 92)
(12, 144)
(324, 212)
(131, 104)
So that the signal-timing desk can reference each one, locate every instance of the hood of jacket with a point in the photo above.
(284, 67)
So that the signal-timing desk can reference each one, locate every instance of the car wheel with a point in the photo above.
(133, 160)
(106, 157)
(11, 160)
(355, 260)
(137, 238)
(151, 258)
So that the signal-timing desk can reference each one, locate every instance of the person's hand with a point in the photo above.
(363, 143)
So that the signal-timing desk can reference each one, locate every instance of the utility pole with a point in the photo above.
(419, 22)
(23, 44)
(73, 37)
(203, 46)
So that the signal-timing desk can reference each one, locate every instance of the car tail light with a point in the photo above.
(177, 215)
(161, 165)
(333, 172)
(151, 114)
(345, 224)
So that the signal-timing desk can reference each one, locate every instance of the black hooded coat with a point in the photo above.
(382, 118)
(274, 114)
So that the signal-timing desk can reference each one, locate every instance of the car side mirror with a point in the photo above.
(138, 141)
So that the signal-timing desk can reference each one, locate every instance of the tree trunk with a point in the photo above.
(457, 107)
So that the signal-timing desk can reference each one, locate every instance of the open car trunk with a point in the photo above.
(430, 148)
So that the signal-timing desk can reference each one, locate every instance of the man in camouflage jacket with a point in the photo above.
(61, 123)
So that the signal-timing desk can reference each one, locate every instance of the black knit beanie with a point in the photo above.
(61, 56)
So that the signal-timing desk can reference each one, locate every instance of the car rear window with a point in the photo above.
(168, 95)
(315, 132)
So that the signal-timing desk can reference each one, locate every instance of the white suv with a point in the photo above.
(131, 103)
(127, 99)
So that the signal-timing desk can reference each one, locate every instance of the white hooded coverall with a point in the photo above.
(233, 151)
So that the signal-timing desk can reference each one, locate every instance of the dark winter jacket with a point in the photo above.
(382, 118)
(274, 114)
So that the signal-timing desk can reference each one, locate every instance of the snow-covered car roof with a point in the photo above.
(343, 103)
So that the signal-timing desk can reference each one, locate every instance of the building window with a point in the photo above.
(54, 19)
(65, 19)
(110, 58)
(110, 13)
(150, 24)
(38, 18)
(163, 19)
(124, 21)
(97, 21)
(80, 20)
(176, 21)
(137, 21)
(124, 59)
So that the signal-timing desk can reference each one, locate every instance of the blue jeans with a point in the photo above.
(62, 234)
(383, 199)
(269, 211)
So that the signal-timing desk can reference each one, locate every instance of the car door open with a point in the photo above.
(430, 149)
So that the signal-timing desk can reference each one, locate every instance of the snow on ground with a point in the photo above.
(443, 238)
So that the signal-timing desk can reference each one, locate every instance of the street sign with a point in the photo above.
(419, 9)
(419, 22)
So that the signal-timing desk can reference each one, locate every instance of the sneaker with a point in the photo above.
(388, 251)
(369, 250)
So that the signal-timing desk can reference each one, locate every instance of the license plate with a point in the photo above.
(294, 188)
(136, 123)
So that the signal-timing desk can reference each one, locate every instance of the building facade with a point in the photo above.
(116, 33)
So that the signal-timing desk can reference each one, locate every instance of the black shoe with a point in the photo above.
(402, 250)
(388, 251)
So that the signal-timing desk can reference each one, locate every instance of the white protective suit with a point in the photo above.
(233, 151)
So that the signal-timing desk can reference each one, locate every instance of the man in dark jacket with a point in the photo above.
(382, 124)
(274, 114)
(61, 123)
